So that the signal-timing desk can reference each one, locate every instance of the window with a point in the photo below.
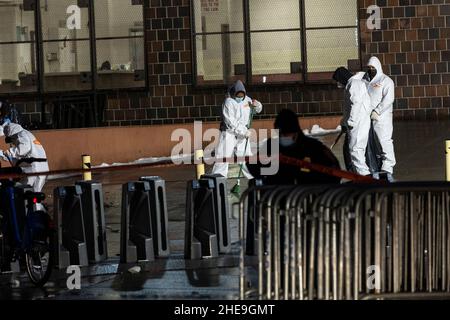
(59, 57)
(66, 52)
(119, 32)
(17, 47)
(273, 41)
(220, 41)
(331, 36)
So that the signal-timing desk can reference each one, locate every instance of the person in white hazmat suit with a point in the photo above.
(236, 112)
(382, 95)
(356, 119)
(25, 152)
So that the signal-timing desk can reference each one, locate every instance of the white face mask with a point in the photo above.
(238, 99)
(287, 141)
(340, 85)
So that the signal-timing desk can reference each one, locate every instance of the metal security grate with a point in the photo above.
(75, 112)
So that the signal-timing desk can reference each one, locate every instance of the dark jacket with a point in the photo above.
(305, 147)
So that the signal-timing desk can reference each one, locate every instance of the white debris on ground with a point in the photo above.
(316, 131)
(135, 270)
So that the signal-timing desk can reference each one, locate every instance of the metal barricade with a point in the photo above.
(350, 241)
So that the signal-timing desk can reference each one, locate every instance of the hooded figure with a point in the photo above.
(236, 112)
(293, 143)
(25, 152)
(382, 95)
(356, 120)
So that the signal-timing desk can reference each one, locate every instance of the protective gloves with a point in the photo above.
(375, 116)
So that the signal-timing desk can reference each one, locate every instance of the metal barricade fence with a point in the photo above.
(349, 241)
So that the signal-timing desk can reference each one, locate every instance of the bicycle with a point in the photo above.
(26, 231)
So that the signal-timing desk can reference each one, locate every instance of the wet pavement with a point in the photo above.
(420, 156)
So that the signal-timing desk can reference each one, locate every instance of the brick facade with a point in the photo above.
(172, 98)
(413, 45)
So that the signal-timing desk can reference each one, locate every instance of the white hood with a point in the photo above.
(12, 129)
(375, 62)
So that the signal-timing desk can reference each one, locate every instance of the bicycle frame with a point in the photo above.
(21, 235)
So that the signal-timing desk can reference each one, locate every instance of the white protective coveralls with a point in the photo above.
(382, 94)
(357, 121)
(234, 130)
(26, 152)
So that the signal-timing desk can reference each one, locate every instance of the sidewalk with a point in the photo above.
(420, 156)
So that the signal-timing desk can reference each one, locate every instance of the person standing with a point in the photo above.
(235, 132)
(356, 120)
(382, 95)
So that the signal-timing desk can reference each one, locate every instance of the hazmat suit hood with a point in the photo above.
(375, 62)
(12, 129)
(238, 86)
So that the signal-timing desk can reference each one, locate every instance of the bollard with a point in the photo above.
(447, 152)
(200, 238)
(71, 239)
(94, 220)
(160, 217)
(222, 211)
(200, 166)
(87, 176)
(136, 236)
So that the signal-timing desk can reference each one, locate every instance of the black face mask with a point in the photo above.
(372, 73)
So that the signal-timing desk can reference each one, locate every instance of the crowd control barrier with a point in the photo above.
(349, 242)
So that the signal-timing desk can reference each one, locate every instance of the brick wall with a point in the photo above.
(413, 45)
(172, 99)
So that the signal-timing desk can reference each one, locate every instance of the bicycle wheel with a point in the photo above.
(39, 261)
(39, 253)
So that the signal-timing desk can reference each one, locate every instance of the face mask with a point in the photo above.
(340, 85)
(239, 100)
(286, 141)
(372, 73)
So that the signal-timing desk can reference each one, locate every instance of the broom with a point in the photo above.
(236, 190)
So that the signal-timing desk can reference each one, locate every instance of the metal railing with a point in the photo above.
(349, 241)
